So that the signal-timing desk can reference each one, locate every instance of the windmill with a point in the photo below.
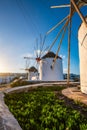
(26, 68)
(44, 59)
(46, 71)
(74, 6)
(39, 51)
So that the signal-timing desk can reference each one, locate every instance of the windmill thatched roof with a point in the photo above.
(50, 55)
(32, 69)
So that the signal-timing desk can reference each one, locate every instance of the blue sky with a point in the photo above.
(22, 21)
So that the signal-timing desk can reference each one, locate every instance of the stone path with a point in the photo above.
(75, 94)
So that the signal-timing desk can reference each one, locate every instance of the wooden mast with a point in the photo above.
(69, 41)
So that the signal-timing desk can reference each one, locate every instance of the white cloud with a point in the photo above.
(65, 70)
(62, 56)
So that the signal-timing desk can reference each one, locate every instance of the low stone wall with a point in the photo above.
(28, 87)
(7, 120)
(31, 87)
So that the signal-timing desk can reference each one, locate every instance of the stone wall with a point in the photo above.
(7, 120)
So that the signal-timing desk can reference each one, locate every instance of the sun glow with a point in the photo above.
(3, 66)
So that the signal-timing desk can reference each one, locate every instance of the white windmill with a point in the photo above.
(44, 62)
(27, 65)
(82, 36)
(74, 6)
(39, 51)
(47, 73)
(32, 72)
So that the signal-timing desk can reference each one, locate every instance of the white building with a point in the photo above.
(46, 71)
(82, 37)
(32, 73)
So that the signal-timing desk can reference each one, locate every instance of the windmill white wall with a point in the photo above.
(32, 73)
(49, 74)
(82, 37)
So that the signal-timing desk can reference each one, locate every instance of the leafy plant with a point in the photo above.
(41, 110)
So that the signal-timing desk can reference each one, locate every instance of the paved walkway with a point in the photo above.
(75, 94)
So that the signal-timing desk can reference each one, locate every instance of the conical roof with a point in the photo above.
(32, 69)
(50, 55)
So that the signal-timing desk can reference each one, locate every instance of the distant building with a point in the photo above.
(73, 77)
(47, 73)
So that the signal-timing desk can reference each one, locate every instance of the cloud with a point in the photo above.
(65, 70)
(62, 56)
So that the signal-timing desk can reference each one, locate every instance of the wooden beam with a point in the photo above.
(57, 25)
(69, 40)
(78, 11)
(64, 30)
(58, 35)
(61, 6)
(69, 35)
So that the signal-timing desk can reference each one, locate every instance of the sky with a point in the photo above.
(22, 22)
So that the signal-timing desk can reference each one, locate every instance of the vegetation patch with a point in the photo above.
(42, 110)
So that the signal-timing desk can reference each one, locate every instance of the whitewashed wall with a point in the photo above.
(32, 75)
(48, 74)
(82, 37)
